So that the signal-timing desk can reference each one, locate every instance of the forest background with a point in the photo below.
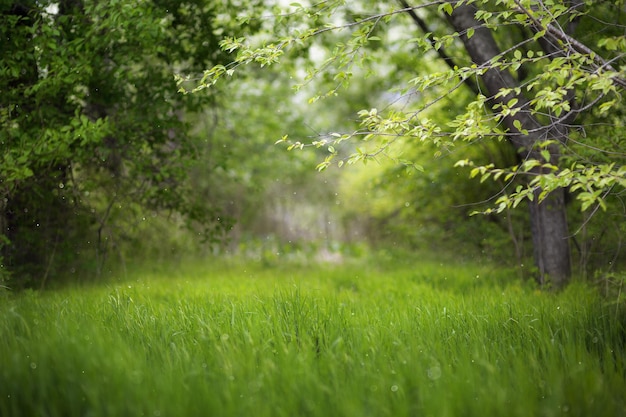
(107, 159)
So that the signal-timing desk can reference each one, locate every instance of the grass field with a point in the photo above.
(231, 339)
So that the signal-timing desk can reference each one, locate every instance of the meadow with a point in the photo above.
(223, 338)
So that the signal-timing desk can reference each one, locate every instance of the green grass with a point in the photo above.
(242, 340)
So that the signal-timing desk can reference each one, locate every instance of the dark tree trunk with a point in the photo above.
(3, 232)
(548, 225)
(547, 219)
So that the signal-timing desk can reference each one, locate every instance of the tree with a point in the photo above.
(526, 134)
(94, 136)
(534, 77)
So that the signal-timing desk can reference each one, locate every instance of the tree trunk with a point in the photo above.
(548, 220)
(548, 225)
(3, 231)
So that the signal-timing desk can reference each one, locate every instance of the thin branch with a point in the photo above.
(573, 44)
(372, 17)
(593, 212)
(441, 51)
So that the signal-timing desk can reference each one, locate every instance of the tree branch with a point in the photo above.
(573, 45)
(441, 51)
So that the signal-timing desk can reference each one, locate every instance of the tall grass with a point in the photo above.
(241, 340)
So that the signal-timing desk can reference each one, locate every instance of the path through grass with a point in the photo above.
(239, 340)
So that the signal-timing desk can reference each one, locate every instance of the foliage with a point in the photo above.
(93, 131)
(587, 74)
(240, 340)
(540, 80)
